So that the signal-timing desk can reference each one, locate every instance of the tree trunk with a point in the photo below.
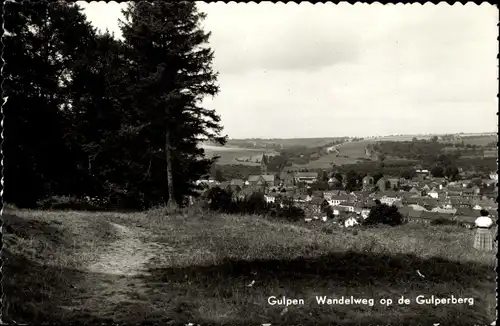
(171, 202)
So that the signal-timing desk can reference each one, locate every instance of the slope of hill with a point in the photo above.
(70, 267)
(237, 155)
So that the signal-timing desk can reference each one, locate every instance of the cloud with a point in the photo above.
(271, 36)
(289, 70)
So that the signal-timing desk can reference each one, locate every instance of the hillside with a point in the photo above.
(71, 267)
(350, 151)
(237, 155)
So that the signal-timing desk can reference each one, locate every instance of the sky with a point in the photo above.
(325, 70)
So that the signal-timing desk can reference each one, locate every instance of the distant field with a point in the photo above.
(307, 142)
(237, 151)
(482, 140)
(236, 155)
(349, 153)
(403, 137)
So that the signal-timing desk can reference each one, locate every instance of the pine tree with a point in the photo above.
(170, 73)
(41, 44)
(97, 116)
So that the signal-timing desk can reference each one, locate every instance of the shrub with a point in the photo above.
(443, 221)
(290, 213)
(384, 214)
(72, 203)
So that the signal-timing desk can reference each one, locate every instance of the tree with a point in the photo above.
(437, 172)
(377, 176)
(384, 214)
(324, 176)
(170, 74)
(42, 43)
(219, 176)
(408, 174)
(452, 173)
(352, 180)
(104, 150)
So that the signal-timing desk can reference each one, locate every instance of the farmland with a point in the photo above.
(151, 267)
(237, 155)
(479, 140)
(249, 151)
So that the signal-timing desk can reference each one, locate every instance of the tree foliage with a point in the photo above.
(42, 44)
(88, 114)
(384, 214)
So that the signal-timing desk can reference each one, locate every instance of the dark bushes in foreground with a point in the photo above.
(222, 200)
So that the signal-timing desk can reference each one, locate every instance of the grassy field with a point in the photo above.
(71, 267)
(286, 143)
(349, 153)
(481, 140)
(237, 155)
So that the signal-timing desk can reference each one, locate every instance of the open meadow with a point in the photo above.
(71, 267)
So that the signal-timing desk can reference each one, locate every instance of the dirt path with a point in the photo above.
(114, 279)
(126, 256)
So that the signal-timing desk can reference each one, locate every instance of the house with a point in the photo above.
(333, 181)
(337, 200)
(433, 193)
(388, 197)
(393, 182)
(338, 210)
(329, 194)
(426, 202)
(270, 199)
(263, 180)
(350, 222)
(368, 182)
(237, 182)
(347, 207)
(417, 207)
(415, 191)
(306, 177)
(383, 184)
(362, 211)
(422, 172)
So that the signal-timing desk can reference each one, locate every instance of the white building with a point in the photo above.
(351, 221)
(389, 200)
(433, 194)
(270, 199)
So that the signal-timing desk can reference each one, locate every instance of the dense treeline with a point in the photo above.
(89, 115)
(229, 172)
(425, 150)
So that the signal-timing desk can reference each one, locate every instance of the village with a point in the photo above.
(421, 199)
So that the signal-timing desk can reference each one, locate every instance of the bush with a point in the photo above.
(290, 213)
(384, 214)
(443, 221)
(72, 203)
(221, 200)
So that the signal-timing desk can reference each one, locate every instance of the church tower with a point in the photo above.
(263, 164)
